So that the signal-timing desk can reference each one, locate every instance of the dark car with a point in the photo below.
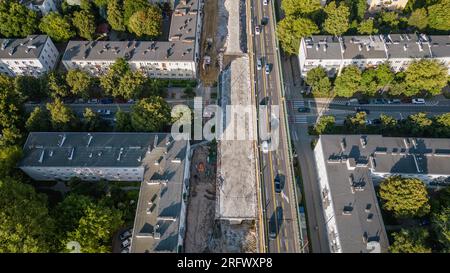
(277, 183)
(264, 20)
(304, 109)
(359, 109)
(272, 229)
(106, 101)
(379, 101)
(376, 121)
(363, 101)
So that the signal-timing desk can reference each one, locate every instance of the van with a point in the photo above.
(418, 101)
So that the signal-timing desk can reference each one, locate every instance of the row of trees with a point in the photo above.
(307, 17)
(408, 198)
(137, 16)
(423, 75)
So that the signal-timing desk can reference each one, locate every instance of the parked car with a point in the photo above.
(92, 101)
(265, 146)
(369, 122)
(267, 69)
(106, 101)
(379, 101)
(259, 64)
(130, 101)
(68, 101)
(359, 109)
(272, 229)
(104, 112)
(125, 235)
(80, 101)
(277, 184)
(363, 101)
(376, 121)
(418, 101)
(264, 20)
(257, 30)
(126, 243)
(34, 101)
(394, 101)
(265, 2)
(304, 109)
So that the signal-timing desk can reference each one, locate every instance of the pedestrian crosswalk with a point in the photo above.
(299, 119)
(298, 104)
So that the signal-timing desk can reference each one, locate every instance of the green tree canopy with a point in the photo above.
(410, 241)
(367, 27)
(25, 225)
(318, 79)
(337, 19)
(31, 87)
(388, 123)
(347, 84)
(115, 15)
(123, 121)
(62, 117)
(80, 82)
(116, 72)
(16, 20)
(57, 27)
(426, 74)
(131, 85)
(39, 120)
(291, 30)
(9, 156)
(404, 197)
(11, 111)
(443, 124)
(84, 21)
(439, 15)
(300, 7)
(150, 115)
(419, 124)
(324, 125)
(440, 222)
(56, 84)
(92, 122)
(132, 6)
(376, 79)
(418, 19)
(146, 22)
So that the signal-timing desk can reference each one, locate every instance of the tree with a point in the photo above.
(57, 85)
(16, 20)
(367, 27)
(348, 82)
(131, 6)
(388, 20)
(101, 3)
(115, 15)
(95, 229)
(404, 197)
(123, 121)
(39, 120)
(57, 27)
(373, 80)
(388, 123)
(84, 21)
(358, 120)
(324, 125)
(150, 115)
(80, 82)
(9, 156)
(11, 111)
(146, 22)
(410, 241)
(337, 19)
(131, 85)
(418, 19)
(318, 79)
(361, 8)
(62, 117)
(440, 223)
(419, 124)
(443, 125)
(92, 122)
(111, 79)
(31, 87)
(290, 30)
(300, 7)
(438, 15)
(426, 74)
(25, 225)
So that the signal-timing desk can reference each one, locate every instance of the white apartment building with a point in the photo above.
(44, 6)
(378, 5)
(31, 56)
(176, 58)
(334, 53)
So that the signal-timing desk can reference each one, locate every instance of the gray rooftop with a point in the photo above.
(53, 149)
(363, 47)
(180, 46)
(163, 196)
(24, 48)
(440, 45)
(407, 46)
(323, 47)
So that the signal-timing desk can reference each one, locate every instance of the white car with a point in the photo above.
(104, 112)
(418, 101)
(265, 146)
(126, 243)
(259, 64)
(265, 2)
(257, 31)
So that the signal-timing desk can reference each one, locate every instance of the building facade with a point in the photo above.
(176, 58)
(399, 50)
(30, 56)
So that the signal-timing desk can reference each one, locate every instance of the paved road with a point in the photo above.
(280, 208)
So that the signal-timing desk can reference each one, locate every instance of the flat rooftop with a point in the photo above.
(236, 178)
(74, 149)
(158, 213)
(24, 48)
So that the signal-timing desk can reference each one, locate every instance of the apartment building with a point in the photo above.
(378, 5)
(43, 6)
(31, 56)
(349, 166)
(176, 58)
(155, 159)
(334, 53)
